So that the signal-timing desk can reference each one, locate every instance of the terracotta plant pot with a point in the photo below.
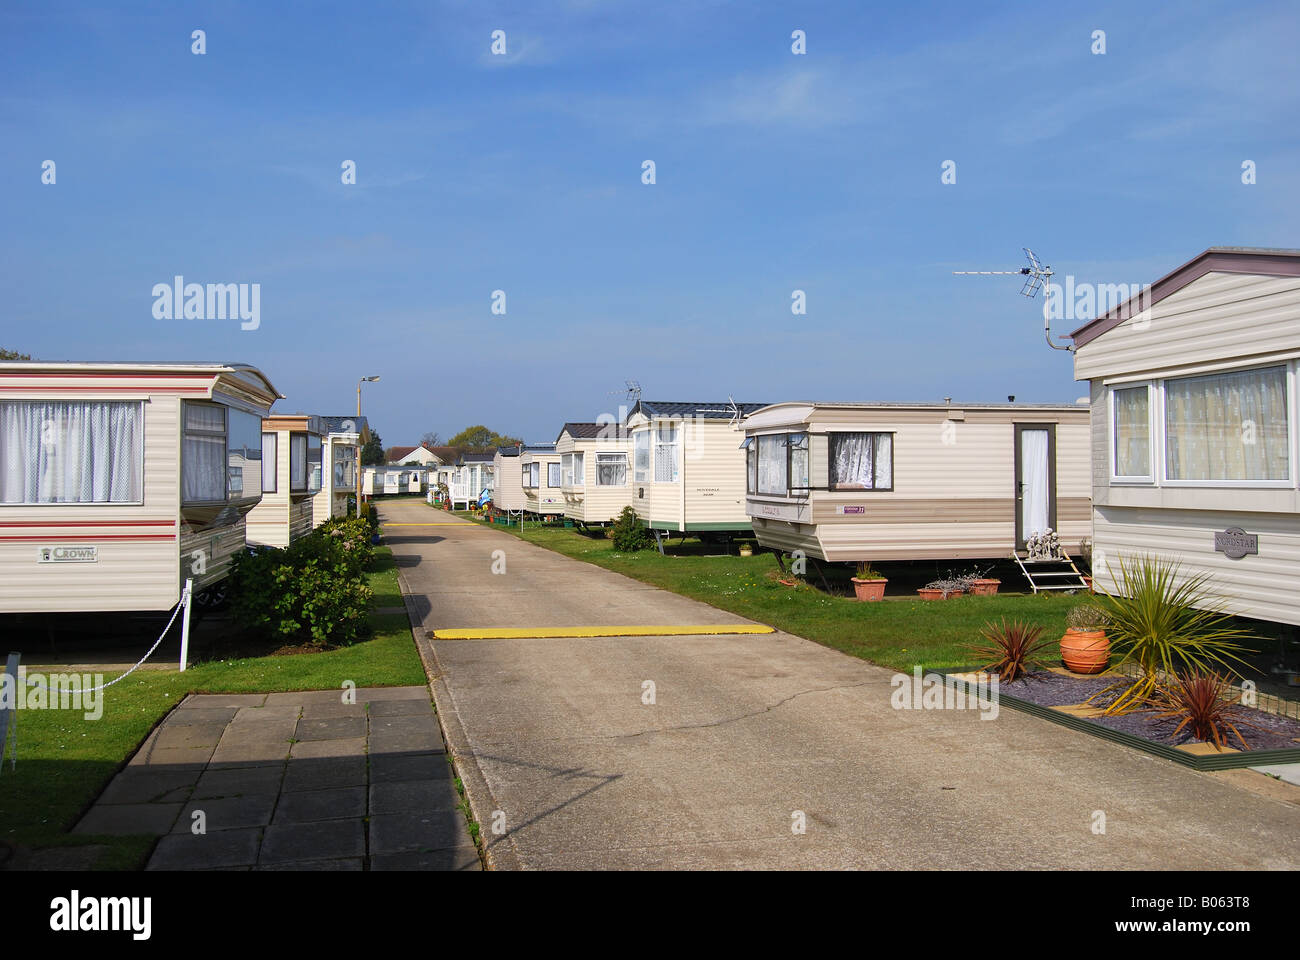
(1085, 651)
(870, 590)
(930, 593)
(984, 587)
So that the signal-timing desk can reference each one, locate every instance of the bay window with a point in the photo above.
(611, 469)
(315, 467)
(203, 453)
(74, 451)
(1227, 426)
(773, 468)
(861, 461)
(777, 464)
(345, 466)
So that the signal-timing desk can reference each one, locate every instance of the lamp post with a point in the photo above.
(359, 465)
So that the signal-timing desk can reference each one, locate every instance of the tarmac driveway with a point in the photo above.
(765, 751)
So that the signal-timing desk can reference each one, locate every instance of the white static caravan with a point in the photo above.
(118, 481)
(341, 451)
(892, 481)
(1194, 404)
(471, 476)
(539, 472)
(688, 468)
(507, 488)
(595, 473)
(294, 442)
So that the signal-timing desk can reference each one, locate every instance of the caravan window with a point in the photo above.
(667, 444)
(244, 454)
(1227, 427)
(579, 477)
(611, 469)
(71, 452)
(1131, 429)
(751, 464)
(641, 456)
(862, 461)
(203, 453)
(298, 463)
(345, 466)
(552, 474)
(270, 467)
(314, 464)
(773, 470)
(798, 444)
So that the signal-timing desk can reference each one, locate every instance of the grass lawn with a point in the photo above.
(64, 761)
(900, 632)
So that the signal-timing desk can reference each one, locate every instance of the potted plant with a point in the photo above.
(869, 584)
(1084, 648)
(942, 589)
(746, 549)
(980, 585)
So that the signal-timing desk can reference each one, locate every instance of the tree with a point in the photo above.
(13, 355)
(479, 439)
(373, 451)
(431, 439)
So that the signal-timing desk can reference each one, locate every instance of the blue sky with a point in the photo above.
(522, 173)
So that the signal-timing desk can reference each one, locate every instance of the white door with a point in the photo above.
(1034, 483)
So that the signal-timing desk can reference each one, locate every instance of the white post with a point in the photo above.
(186, 598)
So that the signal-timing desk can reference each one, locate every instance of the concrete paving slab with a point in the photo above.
(327, 840)
(325, 749)
(1288, 772)
(392, 767)
(237, 781)
(333, 803)
(150, 784)
(344, 865)
(228, 813)
(261, 715)
(321, 710)
(129, 819)
(224, 849)
(321, 773)
(401, 708)
(413, 796)
(330, 728)
(207, 701)
(403, 833)
(451, 858)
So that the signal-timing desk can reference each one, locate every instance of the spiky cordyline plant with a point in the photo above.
(1010, 648)
(1166, 625)
(1200, 701)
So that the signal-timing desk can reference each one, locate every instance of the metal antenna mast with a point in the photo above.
(1036, 276)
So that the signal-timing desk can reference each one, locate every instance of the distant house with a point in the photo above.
(1194, 436)
(422, 455)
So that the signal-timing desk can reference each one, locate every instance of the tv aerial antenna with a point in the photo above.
(1036, 275)
(731, 409)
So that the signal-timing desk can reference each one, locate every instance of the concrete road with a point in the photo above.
(750, 738)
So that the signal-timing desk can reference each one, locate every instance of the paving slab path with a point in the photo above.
(765, 751)
(293, 781)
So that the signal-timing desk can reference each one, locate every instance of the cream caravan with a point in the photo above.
(507, 489)
(595, 476)
(688, 469)
(539, 472)
(893, 481)
(118, 481)
(294, 444)
(341, 450)
(1194, 440)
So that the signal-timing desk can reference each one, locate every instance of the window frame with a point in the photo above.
(140, 404)
(274, 472)
(1152, 438)
(610, 458)
(637, 475)
(296, 436)
(225, 447)
(559, 475)
(874, 488)
(675, 445)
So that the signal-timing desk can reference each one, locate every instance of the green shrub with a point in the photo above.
(312, 593)
(628, 533)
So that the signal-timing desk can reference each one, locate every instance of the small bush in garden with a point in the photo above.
(627, 532)
(1010, 648)
(312, 593)
(1201, 702)
(1087, 617)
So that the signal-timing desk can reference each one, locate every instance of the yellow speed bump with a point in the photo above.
(662, 630)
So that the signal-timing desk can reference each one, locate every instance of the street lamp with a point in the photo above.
(359, 383)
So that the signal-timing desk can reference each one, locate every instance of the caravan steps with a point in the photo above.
(1058, 573)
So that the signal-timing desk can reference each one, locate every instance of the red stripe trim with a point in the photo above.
(93, 536)
(88, 523)
(141, 388)
(108, 373)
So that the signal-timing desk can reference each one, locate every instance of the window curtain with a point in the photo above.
(852, 465)
(1033, 474)
(751, 455)
(883, 446)
(270, 462)
(1227, 427)
(1132, 432)
(552, 474)
(772, 465)
(611, 469)
(298, 461)
(74, 452)
(666, 453)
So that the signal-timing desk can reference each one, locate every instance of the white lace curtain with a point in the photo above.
(1132, 433)
(862, 461)
(70, 452)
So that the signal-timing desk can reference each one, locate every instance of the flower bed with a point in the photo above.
(1063, 699)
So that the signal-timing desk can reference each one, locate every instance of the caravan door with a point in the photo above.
(1035, 479)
